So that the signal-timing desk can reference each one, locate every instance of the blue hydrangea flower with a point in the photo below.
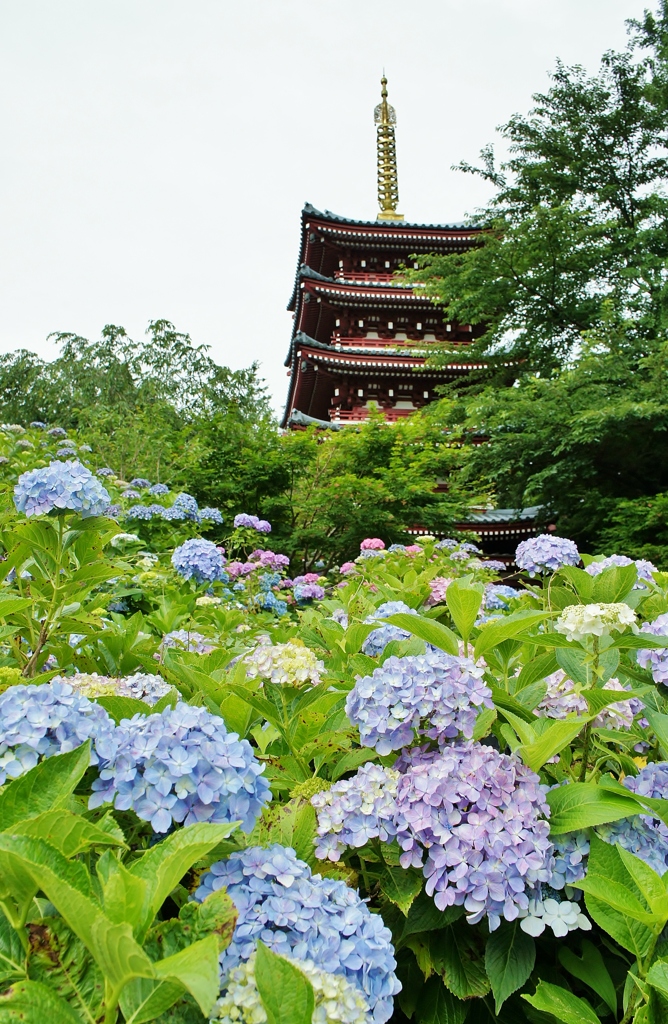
(302, 915)
(546, 554)
(211, 515)
(356, 810)
(396, 548)
(105, 471)
(85, 448)
(139, 512)
(66, 453)
(187, 640)
(199, 560)
(130, 495)
(60, 487)
(570, 859)
(377, 641)
(447, 544)
(481, 818)
(656, 660)
(141, 483)
(434, 695)
(159, 489)
(113, 511)
(38, 425)
(182, 765)
(186, 505)
(57, 432)
(38, 721)
(643, 567)
(497, 596)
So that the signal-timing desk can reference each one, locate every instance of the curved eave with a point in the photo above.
(339, 362)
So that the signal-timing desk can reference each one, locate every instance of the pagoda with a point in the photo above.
(360, 336)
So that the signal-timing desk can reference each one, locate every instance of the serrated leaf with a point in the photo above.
(583, 804)
(286, 993)
(494, 633)
(69, 833)
(463, 603)
(31, 1002)
(424, 916)
(12, 954)
(46, 786)
(436, 1005)
(455, 957)
(123, 707)
(510, 955)
(431, 632)
(555, 738)
(401, 886)
(196, 968)
(614, 584)
(562, 1004)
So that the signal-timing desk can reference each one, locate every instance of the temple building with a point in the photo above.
(361, 336)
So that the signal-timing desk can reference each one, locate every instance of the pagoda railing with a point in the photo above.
(377, 342)
(362, 277)
(361, 413)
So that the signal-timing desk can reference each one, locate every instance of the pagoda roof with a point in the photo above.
(311, 211)
(500, 516)
(380, 350)
(343, 361)
(300, 419)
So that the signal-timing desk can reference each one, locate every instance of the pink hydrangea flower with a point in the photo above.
(438, 587)
(347, 568)
(373, 544)
(413, 549)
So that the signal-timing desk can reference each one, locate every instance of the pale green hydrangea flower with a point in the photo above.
(579, 621)
(291, 663)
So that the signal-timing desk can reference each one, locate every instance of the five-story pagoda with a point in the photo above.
(360, 337)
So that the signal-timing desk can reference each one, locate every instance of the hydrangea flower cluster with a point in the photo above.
(140, 512)
(104, 471)
(356, 810)
(268, 560)
(38, 721)
(141, 685)
(186, 506)
(562, 698)
(211, 515)
(545, 554)
(291, 663)
(656, 660)
(130, 494)
(158, 489)
(63, 453)
(570, 859)
(182, 765)
(434, 695)
(56, 432)
(199, 560)
(60, 487)
(378, 639)
(481, 816)
(497, 596)
(447, 544)
(141, 483)
(307, 917)
(307, 587)
(643, 567)
(437, 587)
(187, 640)
(337, 1001)
(578, 621)
(562, 916)
(372, 544)
(38, 425)
(251, 523)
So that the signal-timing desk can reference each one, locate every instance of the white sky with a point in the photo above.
(157, 153)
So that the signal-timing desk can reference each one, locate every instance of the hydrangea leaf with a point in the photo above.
(145, 999)
(424, 916)
(401, 886)
(582, 581)
(614, 584)
(591, 969)
(47, 786)
(562, 1004)
(436, 1005)
(659, 726)
(31, 1002)
(535, 671)
(510, 955)
(69, 833)
(583, 804)
(286, 993)
(557, 736)
(510, 626)
(434, 633)
(123, 707)
(12, 954)
(196, 968)
(355, 636)
(463, 603)
(457, 958)
(609, 882)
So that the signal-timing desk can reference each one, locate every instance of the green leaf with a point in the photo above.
(164, 865)
(657, 977)
(69, 833)
(10, 604)
(145, 999)
(495, 633)
(292, 824)
(614, 584)
(591, 969)
(648, 883)
(123, 707)
(196, 968)
(510, 955)
(426, 629)
(555, 738)
(124, 896)
(355, 636)
(455, 956)
(436, 1005)
(581, 580)
(31, 1002)
(536, 670)
(286, 993)
(46, 786)
(464, 604)
(424, 916)
(401, 886)
(483, 723)
(520, 717)
(659, 726)
(631, 935)
(583, 804)
(562, 1004)
(12, 954)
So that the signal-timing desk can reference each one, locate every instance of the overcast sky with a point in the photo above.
(157, 153)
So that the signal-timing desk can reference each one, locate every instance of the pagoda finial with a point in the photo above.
(388, 183)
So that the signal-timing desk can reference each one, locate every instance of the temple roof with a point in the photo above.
(503, 515)
(311, 211)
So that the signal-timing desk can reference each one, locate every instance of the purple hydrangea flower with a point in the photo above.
(66, 453)
(60, 487)
(302, 915)
(656, 660)
(481, 817)
(434, 695)
(269, 559)
(199, 560)
(307, 588)
(377, 641)
(113, 511)
(187, 640)
(182, 765)
(38, 425)
(546, 554)
(38, 721)
(245, 521)
(130, 494)
(643, 567)
(570, 859)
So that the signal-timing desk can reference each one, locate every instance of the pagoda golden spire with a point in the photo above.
(388, 184)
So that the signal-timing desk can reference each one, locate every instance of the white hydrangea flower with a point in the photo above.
(291, 663)
(582, 620)
(206, 599)
(562, 917)
(124, 538)
(337, 1000)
